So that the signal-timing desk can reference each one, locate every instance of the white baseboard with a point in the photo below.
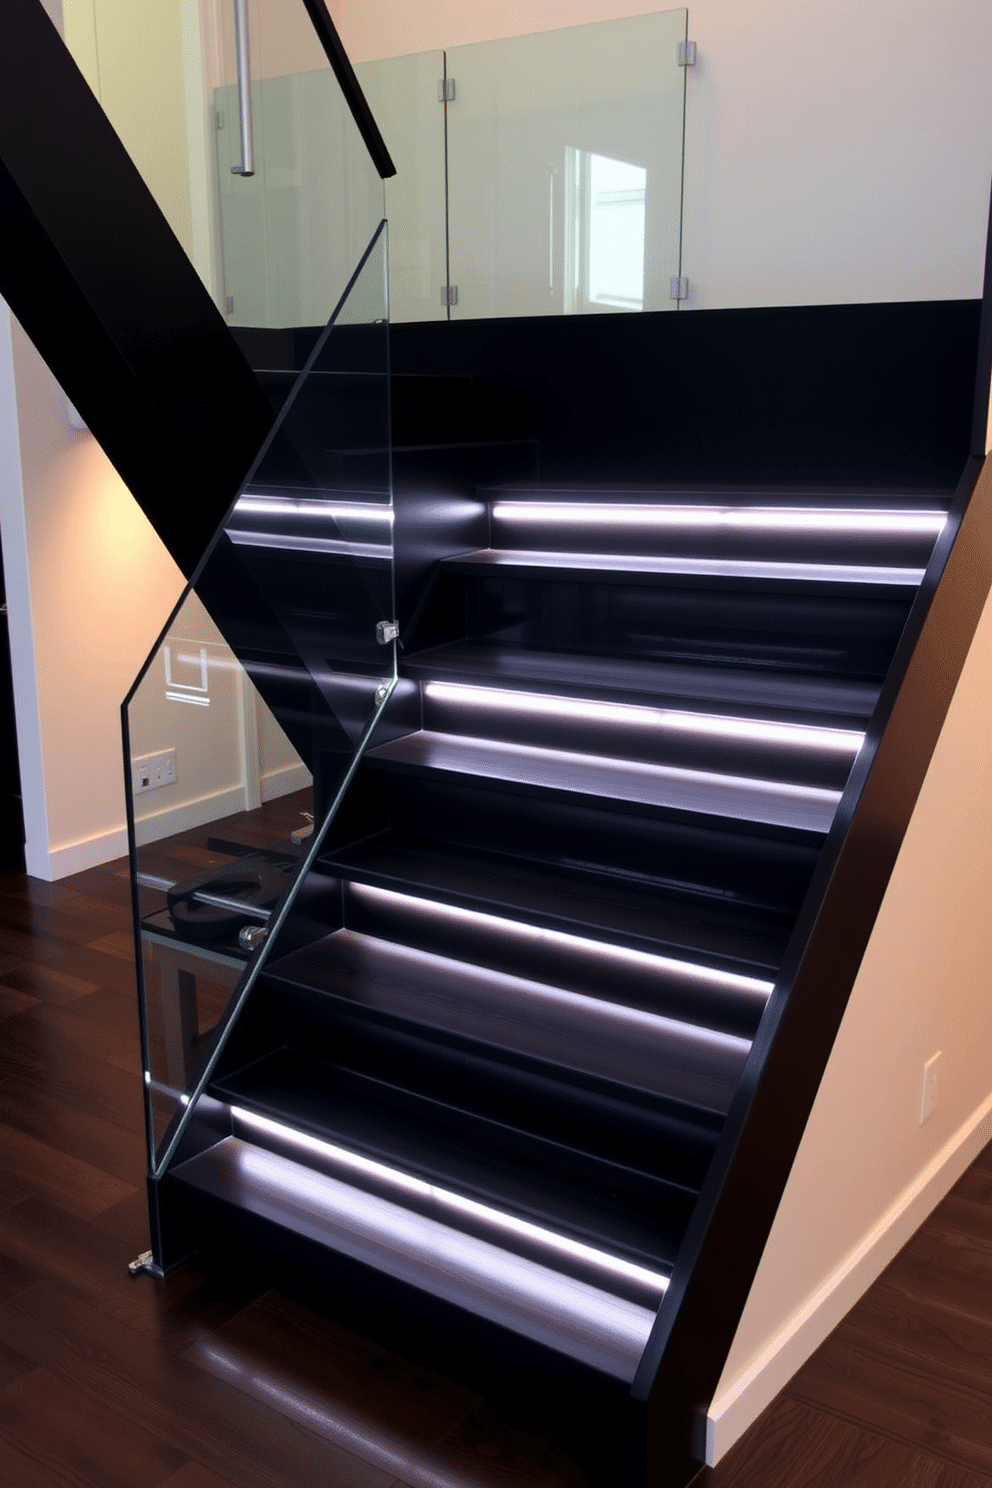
(73, 857)
(740, 1405)
(104, 847)
(284, 781)
(198, 813)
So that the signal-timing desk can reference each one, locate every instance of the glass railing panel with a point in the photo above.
(221, 804)
(277, 246)
(292, 232)
(565, 169)
(403, 95)
(260, 697)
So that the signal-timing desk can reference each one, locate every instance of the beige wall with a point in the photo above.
(867, 1171)
(131, 53)
(90, 587)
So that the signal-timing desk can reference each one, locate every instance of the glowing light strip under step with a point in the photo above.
(756, 730)
(755, 987)
(575, 1318)
(833, 520)
(297, 506)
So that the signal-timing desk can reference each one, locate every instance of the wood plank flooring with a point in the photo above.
(211, 1379)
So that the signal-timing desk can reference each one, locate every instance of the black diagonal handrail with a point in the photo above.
(350, 87)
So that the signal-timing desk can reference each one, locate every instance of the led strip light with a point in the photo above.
(645, 960)
(781, 519)
(799, 735)
(337, 511)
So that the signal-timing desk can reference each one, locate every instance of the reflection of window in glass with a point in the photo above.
(604, 232)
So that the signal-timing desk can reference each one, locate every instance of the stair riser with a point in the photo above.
(497, 1102)
(759, 628)
(564, 961)
(722, 864)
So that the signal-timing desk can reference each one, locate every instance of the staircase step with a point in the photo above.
(726, 743)
(636, 975)
(538, 1301)
(351, 974)
(608, 1201)
(816, 700)
(800, 807)
(701, 925)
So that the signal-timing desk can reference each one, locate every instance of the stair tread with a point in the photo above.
(628, 1211)
(816, 577)
(591, 1035)
(805, 808)
(781, 695)
(673, 919)
(590, 1324)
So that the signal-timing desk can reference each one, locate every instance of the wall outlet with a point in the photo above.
(153, 770)
(930, 1088)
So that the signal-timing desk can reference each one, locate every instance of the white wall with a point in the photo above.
(836, 152)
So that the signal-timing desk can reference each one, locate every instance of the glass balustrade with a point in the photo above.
(536, 175)
(252, 711)
(565, 169)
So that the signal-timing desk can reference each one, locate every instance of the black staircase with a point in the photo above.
(537, 946)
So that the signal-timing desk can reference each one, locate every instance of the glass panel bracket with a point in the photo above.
(687, 54)
(144, 1262)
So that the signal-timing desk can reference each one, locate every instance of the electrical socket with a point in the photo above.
(153, 770)
(930, 1088)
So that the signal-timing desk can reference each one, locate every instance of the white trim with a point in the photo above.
(285, 780)
(17, 577)
(248, 741)
(189, 814)
(73, 857)
(733, 1411)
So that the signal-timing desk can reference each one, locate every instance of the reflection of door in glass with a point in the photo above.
(565, 169)
(604, 233)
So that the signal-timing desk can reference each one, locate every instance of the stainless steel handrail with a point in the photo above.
(247, 166)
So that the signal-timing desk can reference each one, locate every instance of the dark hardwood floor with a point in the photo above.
(213, 1378)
